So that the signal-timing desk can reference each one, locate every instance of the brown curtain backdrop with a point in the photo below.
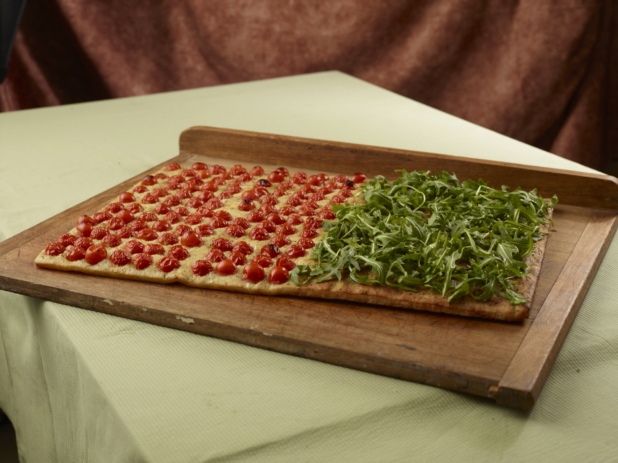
(540, 71)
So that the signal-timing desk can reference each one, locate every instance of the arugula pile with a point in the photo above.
(423, 231)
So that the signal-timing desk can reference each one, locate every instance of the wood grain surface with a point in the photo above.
(506, 362)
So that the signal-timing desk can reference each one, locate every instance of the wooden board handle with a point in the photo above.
(576, 188)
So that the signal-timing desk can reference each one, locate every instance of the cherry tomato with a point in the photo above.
(102, 216)
(152, 249)
(167, 264)
(299, 178)
(182, 229)
(271, 250)
(275, 218)
(233, 189)
(126, 198)
(255, 216)
(217, 169)
(98, 233)
(173, 166)
(178, 252)
(285, 262)
(253, 273)
(235, 230)
(125, 232)
(142, 261)
(194, 203)
(260, 190)
(283, 171)
(327, 214)
(222, 244)
(161, 226)
(168, 239)
(204, 230)
(276, 177)
(217, 222)
(117, 223)
(280, 240)
(306, 211)
(238, 170)
(338, 199)
(314, 180)
(209, 186)
(140, 189)
(120, 258)
(204, 212)
(187, 173)
(150, 199)
(135, 226)
(172, 218)
(172, 201)
(344, 192)
(215, 255)
(224, 195)
(263, 260)
(83, 243)
(190, 239)
(95, 254)
(267, 209)
(134, 208)
(349, 185)
(309, 233)
(295, 219)
(359, 177)
(201, 268)
(148, 217)
(112, 241)
(194, 219)
(257, 171)
(241, 222)
(182, 194)
(267, 225)
(278, 275)
(127, 217)
(134, 247)
(246, 205)
(294, 201)
(308, 189)
(237, 258)
(205, 196)
(67, 239)
(84, 229)
(202, 174)
(225, 267)
(258, 234)
(160, 176)
(243, 248)
(54, 249)
(286, 229)
(213, 203)
(250, 194)
(287, 210)
(317, 196)
(306, 243)
(199, 166)
(149, 180)
(74, 254)
(147, 234)
(295, 251)
(162, 209)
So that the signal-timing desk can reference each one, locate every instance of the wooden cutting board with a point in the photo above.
(508, 363)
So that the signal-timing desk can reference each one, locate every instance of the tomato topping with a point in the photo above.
(306, 243)
(286, 229)
(217, 222)
(307, 189)
(243, 248)
(276, 177)
(287, 210)
(67, 239)
(120, 258)
(148, 217)
(283, 171)
(214, 203)
(300, 194)
(210, 186)
(309, 233)
(314, 180)
(85, 228)
(172, 201)
(237, 170)
(194, 203)
(199, 166)
(172, 217)
(134, 208)
(147, 234)
(306, 211)
(225, 267)
(117, 223)
(237, 258)
(267, 209)
(176, 179)
(142, 261)
(246, 205)
(194, 219)
(222, 244)
(275, 218)
(346, 193)
(204, 212)
(126, 198)
(338, 199)
(202, 174)
(327, 214)
(187, 173)
(95, 254)
(253, 273)
(255, 216)
(201, 268)
(161, 226)
(280, 240)
(235, 230)
(359, 177)
(204, 230)
(178, 252)
(241, 222)
(267, 225)
(318, 196)
(83, 243)
(149, 180)
(269, 199)
(162, 209)
(167, 264)
(295, 219)
(168, 239)
(258, 234)
(54, 249)
(225, 215)
(299, 178)
(278, 275)
(285, 262)
(271, 250)
(233, 189)
(160, 176)
(134, 247)
(349, 185)
(99, 232)
(217, 169)
(263, 260)
(140, 189)
(112, 240)
(244, 178)
(257, 171)
(75, 254)
(153, 248)
(250, 194)
(190, 239)
(205, 195)
(183, 194)
(135, 226)
(225, 195)
(158, 192)
(125, 232)
(170, 187)
(182, 229)
(127, 217)
(295, 251)
(173, 166)
(312, 222)
(323, 177)
(215, 255)
(150, 199)
(294, 201)
(101, 217)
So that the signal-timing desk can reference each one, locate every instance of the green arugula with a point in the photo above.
(431, 231)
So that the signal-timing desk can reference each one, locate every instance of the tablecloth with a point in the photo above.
(81, 386)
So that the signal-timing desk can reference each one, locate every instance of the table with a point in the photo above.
(82, 386)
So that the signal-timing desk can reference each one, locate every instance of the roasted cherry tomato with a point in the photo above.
(306, 243)
(258, 234)
(276, 177)
(286, 262)
(359, 177)
(294, 201)
(95, 254)
(278, 275)
(142, 261)
(67, 239)
(195, 202)
(194, 219)
(255, 216)
(309, 233)
(134, 247)
(172, 201)
(147, 234)
(178, 252)
(201, 268)
(271, 250)
(136, 226)
(54, 249)
(205, 195)
(120, 258)
(99, 232)
(152, 249)
(134, 208)
(215, 255)
(280, 240)
(287, 210)
(243, 247)
(161, 226)
(217, 169)
(150, 199)
(149, 180)
(246, 205)
(204, 230)
(182, 229)
(125, 233)
(112, 241)
(253, 273)
(295, 219)
(140, 189)
(83, 243)
(257, 171)
(74, 254)
(190, 239)
(267, 225)
(126, 216)
(238, 258)
(199, 166)
(126, 198)
(295, 251)
(286, 229)
(250, 194)
(217, 222)
(168, 239)
(327, 214)
(263, 260)
(241, 222)
(225, 267)
(187, 173)
(172, 217)
(235, 230)
(167, 264)
(102, 216)
(85, 228)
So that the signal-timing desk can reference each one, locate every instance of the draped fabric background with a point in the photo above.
(540, 71)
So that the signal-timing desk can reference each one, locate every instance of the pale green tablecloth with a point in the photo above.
(81, 386)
